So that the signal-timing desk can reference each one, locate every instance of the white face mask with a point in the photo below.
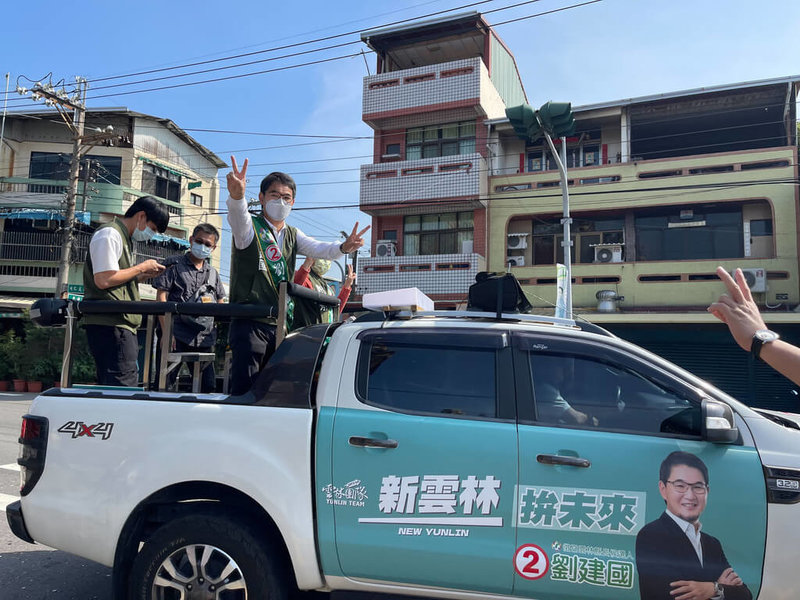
(278, 209)
(201, 250)
(143, 235)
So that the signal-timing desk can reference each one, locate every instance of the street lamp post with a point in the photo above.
(553, 119)
(566, 220)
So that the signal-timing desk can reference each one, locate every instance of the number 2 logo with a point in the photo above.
(531, 562)
(273, 253)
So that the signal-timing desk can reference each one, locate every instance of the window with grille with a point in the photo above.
(440, 140)
(448, 233)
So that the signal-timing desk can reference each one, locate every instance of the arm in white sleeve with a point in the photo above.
(240, 221)
(308, 246)
(105, 248)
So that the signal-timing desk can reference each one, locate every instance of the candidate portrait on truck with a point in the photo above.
(674, 557)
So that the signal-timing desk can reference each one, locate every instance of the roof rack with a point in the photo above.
(474, 314)
(390, 315)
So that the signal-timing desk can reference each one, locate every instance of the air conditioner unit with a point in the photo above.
(607, 253)
(756, 279)
(517, 241)
(516, 261)
(385, 248)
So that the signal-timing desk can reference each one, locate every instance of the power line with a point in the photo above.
(490, 171)
(227, 78)
(94, 97)
(236, 66)
(284, 47)
(295, 45)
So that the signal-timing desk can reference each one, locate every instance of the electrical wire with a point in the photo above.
(94, 97)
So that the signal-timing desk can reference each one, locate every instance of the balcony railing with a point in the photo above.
(457, 176)
(452, 83)
(45, 246)
(101, 198)
(37, 246)
(40, 193)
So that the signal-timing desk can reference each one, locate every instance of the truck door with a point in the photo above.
(424, 460)
(597, 426)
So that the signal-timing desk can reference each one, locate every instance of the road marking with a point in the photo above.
(10, 467)
(5, 500)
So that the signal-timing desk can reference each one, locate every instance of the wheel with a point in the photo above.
(207, 557)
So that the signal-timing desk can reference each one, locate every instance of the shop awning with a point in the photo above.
(172, 170)
(160, 237)
(41, 214)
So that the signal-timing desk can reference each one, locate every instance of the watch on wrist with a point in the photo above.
(719, 591)
(761, 337)
(341, 248)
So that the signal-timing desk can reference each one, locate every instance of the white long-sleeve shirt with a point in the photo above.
(242, 228)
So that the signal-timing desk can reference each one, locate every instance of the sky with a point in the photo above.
(603, 51)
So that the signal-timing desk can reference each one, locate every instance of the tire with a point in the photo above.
(207, 556)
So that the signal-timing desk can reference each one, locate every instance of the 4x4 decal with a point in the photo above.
(80, 429)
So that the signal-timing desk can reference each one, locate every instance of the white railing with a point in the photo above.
(443, 83)
(457, 176)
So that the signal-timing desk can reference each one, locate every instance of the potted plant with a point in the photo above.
(23, 365)
(5, 363)
(41, 363)
(46, 370)
(5, 372)
(15, 351)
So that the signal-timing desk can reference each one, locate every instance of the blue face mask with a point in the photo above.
(201, 251)
(143, 235)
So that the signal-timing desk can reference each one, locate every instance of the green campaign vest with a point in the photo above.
(127, 291)
(251, 281)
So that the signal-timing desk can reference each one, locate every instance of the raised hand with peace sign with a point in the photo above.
(354, 241)
(237, 180)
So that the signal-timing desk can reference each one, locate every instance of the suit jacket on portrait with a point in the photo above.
(664, 554)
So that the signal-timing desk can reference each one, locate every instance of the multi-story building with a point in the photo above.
(437, 84)
(149, 156)
(662, 189)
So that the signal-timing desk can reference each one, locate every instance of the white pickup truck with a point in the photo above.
(442, 454)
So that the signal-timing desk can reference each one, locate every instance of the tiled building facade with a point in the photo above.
(437, 84)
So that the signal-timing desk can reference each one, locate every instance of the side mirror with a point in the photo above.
(718, 423)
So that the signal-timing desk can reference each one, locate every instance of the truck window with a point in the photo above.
(433, 379)
(578, 390)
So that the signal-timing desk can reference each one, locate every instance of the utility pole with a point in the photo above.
(78, 123)
(5, 110)
(63, 102)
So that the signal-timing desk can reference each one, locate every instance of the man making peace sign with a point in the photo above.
(264, 252)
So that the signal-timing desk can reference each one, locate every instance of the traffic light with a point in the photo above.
(523, 120)
(557, 118)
